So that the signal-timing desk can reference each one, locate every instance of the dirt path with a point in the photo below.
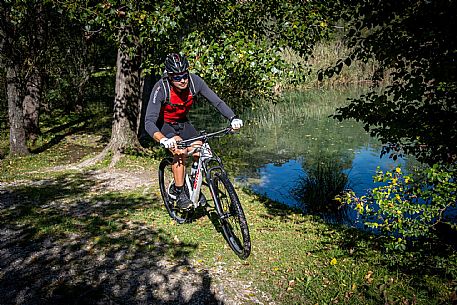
(127, 267)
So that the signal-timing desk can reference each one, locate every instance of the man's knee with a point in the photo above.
(179, 156)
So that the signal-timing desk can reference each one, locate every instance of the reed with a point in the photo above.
(317, 190)
(311, 104)
(326, 54)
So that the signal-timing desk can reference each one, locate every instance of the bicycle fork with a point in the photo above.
(214, 192)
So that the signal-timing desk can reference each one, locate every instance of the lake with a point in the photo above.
(293, 153)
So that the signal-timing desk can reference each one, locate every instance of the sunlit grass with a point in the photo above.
(297, 259)
(326, 54)
(312, 104)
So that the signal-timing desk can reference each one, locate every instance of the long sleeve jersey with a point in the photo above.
(162, 102)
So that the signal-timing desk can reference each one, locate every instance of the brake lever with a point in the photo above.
(230, 130)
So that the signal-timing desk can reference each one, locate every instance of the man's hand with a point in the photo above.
(236, 123)
(168, 143)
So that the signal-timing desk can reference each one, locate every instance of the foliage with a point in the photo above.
(149, 24)
(326, 53)
(22, 43)
(240, 50)
(235, 45)
(406, 208)
(38, 37)
(236, 64)
(415, 42)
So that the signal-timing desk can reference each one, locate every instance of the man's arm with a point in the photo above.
(153, 111)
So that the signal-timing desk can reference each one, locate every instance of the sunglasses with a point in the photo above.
(178, 78)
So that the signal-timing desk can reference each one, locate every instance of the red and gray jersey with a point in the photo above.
(168, 105)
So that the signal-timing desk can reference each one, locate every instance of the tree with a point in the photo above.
(237, 45)
(132, 26)
(241, 49)
(414, 41)
(148, 31)
(18, 145)
(29, 43)
(15, 39)
(127, 105)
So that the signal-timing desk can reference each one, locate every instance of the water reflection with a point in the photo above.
(293, 153)
(317, 188)
(313, 188)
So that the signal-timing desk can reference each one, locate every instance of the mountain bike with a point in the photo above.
(209, 172)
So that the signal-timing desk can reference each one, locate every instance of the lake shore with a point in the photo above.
(104, 235)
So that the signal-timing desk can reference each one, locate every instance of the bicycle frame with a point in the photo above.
(226, 202)
(206, 155)
(194, 186)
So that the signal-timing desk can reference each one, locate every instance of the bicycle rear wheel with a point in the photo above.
(166, 183)
(233, 220)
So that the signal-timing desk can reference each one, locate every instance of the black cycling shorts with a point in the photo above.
(183, 129)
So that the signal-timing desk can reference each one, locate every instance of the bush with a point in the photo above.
(406, 207)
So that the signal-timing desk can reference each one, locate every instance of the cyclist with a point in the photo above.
(166, 115)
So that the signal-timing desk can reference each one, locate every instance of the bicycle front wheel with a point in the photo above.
(166, 183)
(233, 220)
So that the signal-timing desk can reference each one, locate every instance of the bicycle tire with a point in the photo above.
(165, 181)
(233, 221)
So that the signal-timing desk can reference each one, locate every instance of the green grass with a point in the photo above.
(301, 260)
(296, 258)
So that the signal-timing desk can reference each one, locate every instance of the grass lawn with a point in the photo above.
(295, 259)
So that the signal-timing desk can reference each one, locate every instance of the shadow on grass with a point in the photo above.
(93, 124)
(63, 243)
(59, 133)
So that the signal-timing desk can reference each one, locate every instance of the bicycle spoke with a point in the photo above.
(224, 198)
(232, 217)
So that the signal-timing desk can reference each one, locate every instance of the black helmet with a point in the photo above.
(175, 63)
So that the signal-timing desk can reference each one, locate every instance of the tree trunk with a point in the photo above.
(127, 103)
(34, 81)
(83, 77)
(31, 106)
(18, 145)
(81, 86)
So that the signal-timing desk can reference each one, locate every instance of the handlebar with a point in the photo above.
(187, 143)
